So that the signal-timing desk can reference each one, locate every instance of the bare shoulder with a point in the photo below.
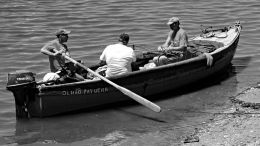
(52, 42)
(182, 31)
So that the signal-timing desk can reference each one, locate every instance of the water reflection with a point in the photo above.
(240, 63)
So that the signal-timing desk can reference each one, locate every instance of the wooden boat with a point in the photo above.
(40, 101)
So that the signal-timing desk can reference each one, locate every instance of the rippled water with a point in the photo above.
(25, 25)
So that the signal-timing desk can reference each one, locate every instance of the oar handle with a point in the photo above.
(127, 92)
(45, 82)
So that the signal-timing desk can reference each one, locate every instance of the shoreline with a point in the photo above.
(239, 125)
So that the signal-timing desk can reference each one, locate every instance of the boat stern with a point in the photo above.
(22, 84)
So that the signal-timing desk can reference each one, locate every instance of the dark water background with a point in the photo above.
(25, 25)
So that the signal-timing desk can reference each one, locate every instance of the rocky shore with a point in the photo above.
(237, 126)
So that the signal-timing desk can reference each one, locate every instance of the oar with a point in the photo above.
(138, 47)
(45, 82)
(127, 92)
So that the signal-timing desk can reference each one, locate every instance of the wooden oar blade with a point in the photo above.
(141, 100)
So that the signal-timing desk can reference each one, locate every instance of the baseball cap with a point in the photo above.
(62, 31)
(173, 20)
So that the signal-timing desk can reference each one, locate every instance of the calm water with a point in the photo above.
(25, 25)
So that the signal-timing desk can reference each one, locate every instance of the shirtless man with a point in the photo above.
(56, 60)
(54, 49)
(177, 40)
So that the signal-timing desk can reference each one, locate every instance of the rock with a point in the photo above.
(191, 139)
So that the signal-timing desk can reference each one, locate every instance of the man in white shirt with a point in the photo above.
(118, 57)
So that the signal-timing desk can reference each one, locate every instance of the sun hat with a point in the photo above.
(173, 20)
(62, 31)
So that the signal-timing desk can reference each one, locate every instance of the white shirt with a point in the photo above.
(118, 58)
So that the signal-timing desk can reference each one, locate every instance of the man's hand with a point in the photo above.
(162, 48)
(58, 53)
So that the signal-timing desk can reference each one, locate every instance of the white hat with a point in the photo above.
(173, 20)
(62, 31)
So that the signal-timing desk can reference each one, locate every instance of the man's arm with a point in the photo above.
(167, 42)
(48, 49)
(179, 48)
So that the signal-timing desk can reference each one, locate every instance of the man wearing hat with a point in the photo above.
(54, 49)
(56, 60)
(177, 40)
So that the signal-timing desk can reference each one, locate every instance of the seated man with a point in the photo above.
(118, 57)
(177, 41)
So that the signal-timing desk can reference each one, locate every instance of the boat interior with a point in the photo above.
(195, 48)
(145, 59)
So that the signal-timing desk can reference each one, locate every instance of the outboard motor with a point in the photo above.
(22, 84)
